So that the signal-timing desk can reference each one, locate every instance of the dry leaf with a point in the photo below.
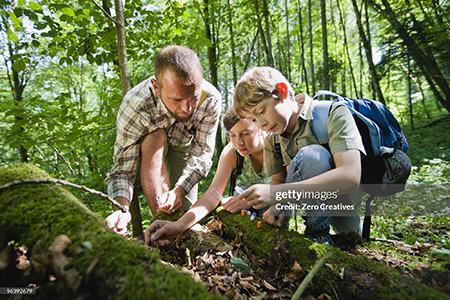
(296, 272)
(269, 286)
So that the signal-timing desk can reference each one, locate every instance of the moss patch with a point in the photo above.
(34, 214)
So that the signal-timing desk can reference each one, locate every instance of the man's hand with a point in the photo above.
(118, 221)
(257, 195)
(235, 204)
(171, 201)
(274, 217)
(160, 232)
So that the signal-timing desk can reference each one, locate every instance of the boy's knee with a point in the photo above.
(310, 161)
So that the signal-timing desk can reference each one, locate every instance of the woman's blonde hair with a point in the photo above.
(257, 84)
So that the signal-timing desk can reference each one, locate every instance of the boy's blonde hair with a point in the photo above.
(257, 84)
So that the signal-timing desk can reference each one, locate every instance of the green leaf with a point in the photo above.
(36, 43)
(19, 65)
(17, 23)
(86, 11)
(240, 265)
(12, 36)
(68, 11)
(35, 6)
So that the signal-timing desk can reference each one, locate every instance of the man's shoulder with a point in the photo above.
(139, 96)
(211, 91)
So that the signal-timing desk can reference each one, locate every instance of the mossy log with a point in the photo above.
(98, 264)
(346, 276)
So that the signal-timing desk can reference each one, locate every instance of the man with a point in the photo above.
(169, 123)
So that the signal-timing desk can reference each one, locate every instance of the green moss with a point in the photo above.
(389, 283)
(34, 214)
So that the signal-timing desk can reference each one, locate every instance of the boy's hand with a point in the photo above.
(273, 217)
(258, 196)
(160, 232)
(235, 204)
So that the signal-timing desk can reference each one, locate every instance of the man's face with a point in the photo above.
(270, 115)
(179, 98)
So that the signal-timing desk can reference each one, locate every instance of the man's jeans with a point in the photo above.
(309, 162)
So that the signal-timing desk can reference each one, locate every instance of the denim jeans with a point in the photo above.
(309, 162)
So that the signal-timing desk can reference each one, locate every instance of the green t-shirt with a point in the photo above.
(249, 176)
(342, 132)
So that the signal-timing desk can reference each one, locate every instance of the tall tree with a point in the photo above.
(121, 47)
(264, 41)
(266, 14)
(212, 34)
(347, 53)
(326, 68)
(233, 50)
(288, 41)
(368, 52)
(426, 63)
(311, 49)
(302, 46)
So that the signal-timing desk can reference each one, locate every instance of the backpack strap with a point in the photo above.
(319, 123)
(236, 172)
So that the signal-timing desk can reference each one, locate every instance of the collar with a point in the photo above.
(306, 113)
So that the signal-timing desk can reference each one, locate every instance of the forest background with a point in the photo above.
(63, 76)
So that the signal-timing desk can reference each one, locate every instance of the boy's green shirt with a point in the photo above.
(342, 132)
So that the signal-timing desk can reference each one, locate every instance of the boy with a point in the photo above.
(264, 95)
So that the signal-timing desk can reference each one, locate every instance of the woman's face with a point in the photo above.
(245, 137)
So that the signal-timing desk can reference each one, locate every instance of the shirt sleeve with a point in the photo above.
(273, 160)
(200, 157)
(343, 132)
(132, 124)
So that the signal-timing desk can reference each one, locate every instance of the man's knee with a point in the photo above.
(310, 161)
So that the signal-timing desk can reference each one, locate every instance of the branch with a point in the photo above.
(105, 12)
(66, 183)
(310, 276)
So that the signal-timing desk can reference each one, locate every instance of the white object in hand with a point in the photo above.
(238, 190)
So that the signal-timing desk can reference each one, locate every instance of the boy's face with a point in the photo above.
(270, 115)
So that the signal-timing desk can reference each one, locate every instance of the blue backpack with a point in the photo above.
(386, 161)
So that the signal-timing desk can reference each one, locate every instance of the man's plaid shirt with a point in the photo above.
(141, 113)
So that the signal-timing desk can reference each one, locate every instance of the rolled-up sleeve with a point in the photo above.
(131, 126)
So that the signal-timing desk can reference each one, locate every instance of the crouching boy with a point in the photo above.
(292, 151)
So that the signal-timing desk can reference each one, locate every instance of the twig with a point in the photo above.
(105, 12)
(307, 280)
(63, 182)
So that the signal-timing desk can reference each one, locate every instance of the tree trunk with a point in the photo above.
(302, 46)
(266, 14)
(233, 53)
(212, 62)
(427, 65)
(288, 41)
(411, 117)
(325, 71)
(121, 47)
(311, 52)
(267, 50)
(347, 53)
(368, 51)
(103, 265)
(96, 264)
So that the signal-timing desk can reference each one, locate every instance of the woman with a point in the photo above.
(245, 140)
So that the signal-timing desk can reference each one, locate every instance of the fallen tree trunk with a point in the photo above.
(71, 253)
(347, 275)
(103, 265)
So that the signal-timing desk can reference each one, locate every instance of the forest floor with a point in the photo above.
(416, 241)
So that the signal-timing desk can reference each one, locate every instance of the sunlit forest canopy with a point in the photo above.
(60, 85)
